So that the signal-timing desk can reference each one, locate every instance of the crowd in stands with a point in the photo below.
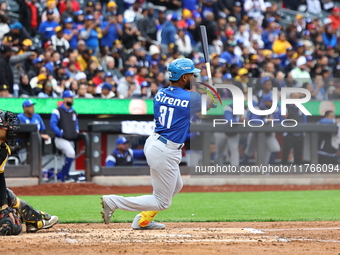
(121, 49)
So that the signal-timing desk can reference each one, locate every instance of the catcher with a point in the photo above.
(13, 210)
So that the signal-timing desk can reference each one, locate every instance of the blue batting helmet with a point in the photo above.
(181, 66)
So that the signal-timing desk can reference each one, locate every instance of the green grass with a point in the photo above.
(321, 205)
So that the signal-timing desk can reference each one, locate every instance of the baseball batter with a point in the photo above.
(173, 108)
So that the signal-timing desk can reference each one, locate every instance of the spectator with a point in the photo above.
(85, 58)
(99, 76)
(30, 117)
(79, 20)
(169, 31)
(60, 44)
(183, 42)
(70, 33)
(47, 90)
(147, 26)
(123, 155)
(329, 38)
(128, 85)
(106, 91)
(270, 34)
(51, 6)
(82, 91)
(4, 28)
(299, 73)
(47, 28)
(281, 45)
(64, 124)
(327, 149)
(68, 12)
(6, 74)
(255, 8)
(18, 33)
(129, 35)
(90, 34)
(111, 31)
(335, 18)
(25, 89)
(4, 91)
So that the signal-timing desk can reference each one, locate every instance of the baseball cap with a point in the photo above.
(265, 79)
(190, 22)
(271, 19)
(79, 76)
(240, 41)
(298, 16)
(80, 12)
(107, 86)
(231, 19)
(237, 3)
(27, 42)
(67, 93)
(89, 4)
(121, 140)
(89, 17)
(99, 69)
(37, 60)
(68, 20)
(299, 44)
(309, 58)
(49, 12)
(108, 74)
(174, 16)
(46, 44)
(230, 32)
(336, 9)
(111, 4)
(16, 25)
(301, 61)
(58, 29)
(145, 84)
(227, 76)
(275, 56)
(42, 77)
(197, 15)
(3, 87)
(27, 103)
(129, 73)
(242, 71)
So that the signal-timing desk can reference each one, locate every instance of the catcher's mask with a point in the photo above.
(9, 120)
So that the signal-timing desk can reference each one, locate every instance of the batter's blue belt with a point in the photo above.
(165, 141)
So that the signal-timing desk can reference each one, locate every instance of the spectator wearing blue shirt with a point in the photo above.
(111, 31)
(191, 5)
(329, 38)
(71, 33)
(123, 155)
(90, 35)
(169, 31)
(47, 28)
(270, 34)
(229, 56)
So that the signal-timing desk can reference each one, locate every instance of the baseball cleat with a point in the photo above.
(151, 226)
(106, 212)
(47, 223)
(50, 222)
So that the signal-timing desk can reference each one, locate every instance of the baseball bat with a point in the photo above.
(205, 47)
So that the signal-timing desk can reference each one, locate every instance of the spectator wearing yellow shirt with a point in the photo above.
(281, 45)
(85, 58)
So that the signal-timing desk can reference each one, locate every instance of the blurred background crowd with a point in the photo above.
(121, 48)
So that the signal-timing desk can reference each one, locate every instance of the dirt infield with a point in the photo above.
(93, 189)
(181, 238)
(177, 238)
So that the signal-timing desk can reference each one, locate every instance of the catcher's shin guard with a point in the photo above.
(146, 218)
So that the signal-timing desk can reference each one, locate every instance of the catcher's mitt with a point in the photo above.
(9, 223)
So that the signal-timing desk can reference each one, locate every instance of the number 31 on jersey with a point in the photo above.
(166, 116)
